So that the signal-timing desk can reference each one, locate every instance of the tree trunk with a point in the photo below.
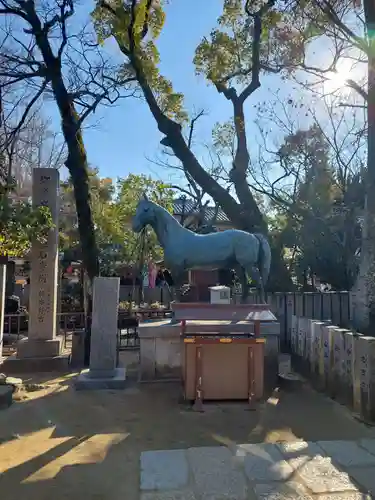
(363, 293)
(245, 216)
(77, 160)
(77, 165)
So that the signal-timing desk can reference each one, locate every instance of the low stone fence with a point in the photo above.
(337, 361)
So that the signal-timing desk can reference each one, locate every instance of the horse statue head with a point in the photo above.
(144, 214)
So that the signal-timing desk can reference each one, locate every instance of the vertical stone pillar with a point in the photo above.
(294, 334)
(364, 379)
(347, 396)
(301, 349)
(103, 372)
(288, 322)
(316, 349)
(338, 357)
(327, 361)
(3, 277)
(42, 341)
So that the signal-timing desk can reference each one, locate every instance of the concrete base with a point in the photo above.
(78, 350)
(86, 380)
(161, 349)
(28, 348)
(12, 364)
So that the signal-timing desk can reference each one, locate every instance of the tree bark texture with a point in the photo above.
(77, 160)
(363, 293)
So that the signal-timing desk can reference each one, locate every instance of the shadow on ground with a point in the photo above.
(58, 443)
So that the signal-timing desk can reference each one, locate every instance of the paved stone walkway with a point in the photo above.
(325, 470)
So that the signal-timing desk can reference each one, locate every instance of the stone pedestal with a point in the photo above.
(39, 348)
(103, 372)
(161, 350)
(42, 341)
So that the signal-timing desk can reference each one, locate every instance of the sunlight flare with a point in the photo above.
(336, 81)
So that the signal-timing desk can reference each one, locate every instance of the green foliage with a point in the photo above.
(226, 56)
(321, 228)
(113, 220)
(113, 205)
(129, 31)
(20, 224)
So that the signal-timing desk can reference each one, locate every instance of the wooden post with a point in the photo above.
(198, 404)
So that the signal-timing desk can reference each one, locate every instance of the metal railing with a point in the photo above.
(73, 323)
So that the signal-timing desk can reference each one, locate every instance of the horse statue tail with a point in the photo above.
(264, 257)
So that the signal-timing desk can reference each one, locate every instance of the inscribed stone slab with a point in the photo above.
(347, 453)
(337, 360)
(216, 474)
(294, 334)
(44, 259)
(164, 470)
(348, 363)
(327, 355)
(264, 462)
(317, 347)
(103, 354)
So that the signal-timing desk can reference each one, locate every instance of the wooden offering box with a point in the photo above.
(223, 355)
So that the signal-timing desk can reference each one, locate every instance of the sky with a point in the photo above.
(125, 135)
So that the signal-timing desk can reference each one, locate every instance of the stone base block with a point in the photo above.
(27, 348)
(13, 364)
(86, 381)
(78, 350)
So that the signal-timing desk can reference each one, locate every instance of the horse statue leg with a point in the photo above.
(256, 276)
(242, 276)
(176, 291)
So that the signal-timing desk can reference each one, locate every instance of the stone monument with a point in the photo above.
(103, 372)
(3, 274)
(42, 341)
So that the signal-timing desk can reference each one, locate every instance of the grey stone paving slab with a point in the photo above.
(298, 453)
(369, 444)
(365, 477)
(321, 476)
(263, 462)
(216, 474)
(281, 491)
(164, 470)
(344, 496)
(169, 495)
(347, 453)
